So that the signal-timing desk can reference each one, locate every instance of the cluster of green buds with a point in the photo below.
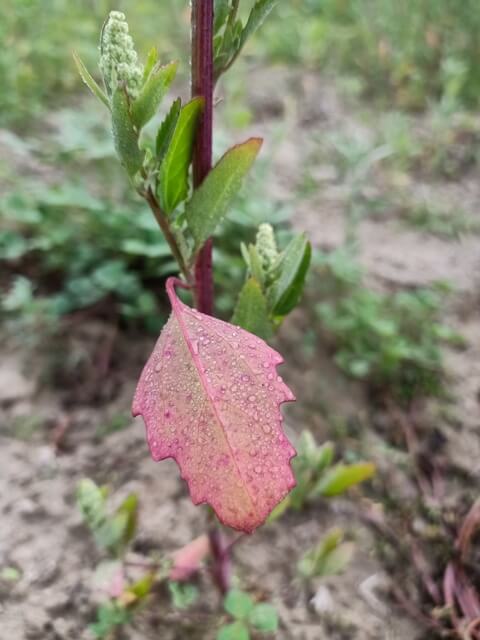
(274, 282)
(118, 59)
(266, 246)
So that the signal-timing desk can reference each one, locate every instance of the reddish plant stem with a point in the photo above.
(203, 85)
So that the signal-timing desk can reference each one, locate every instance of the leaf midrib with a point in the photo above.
(178, 315)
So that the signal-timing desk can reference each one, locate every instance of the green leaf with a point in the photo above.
(110, 533)
(279, 510)
(173, 177)
(292, 268)
(91, 501)
(183, 595)
(337, 560)
(124, 135)
(129, 510)
(221, 11)
(341, 477)
(89, 81)
(318, 458)
(264, 618)
(258, 14)
(251, 311)
(142, 587)
(151, 95)
(235, 631)
(150, 63)
(209, 203)
(328, 558)
(109, 616)
(324, 457)
(165, 132)
(238, 604)
(255, 264)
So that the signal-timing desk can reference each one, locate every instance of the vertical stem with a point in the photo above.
(203, 85)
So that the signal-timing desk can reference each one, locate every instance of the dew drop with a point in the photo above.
(251, 398)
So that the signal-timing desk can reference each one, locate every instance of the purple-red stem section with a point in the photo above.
(203, 85)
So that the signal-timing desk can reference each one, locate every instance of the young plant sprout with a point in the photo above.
(210, 394)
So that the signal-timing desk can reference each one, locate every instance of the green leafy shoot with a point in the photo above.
(112, 531)
(330, 557)
(109, 616)
(275, 281)
(229, 43)
(247, 615)
(317, 476)
(182, 595)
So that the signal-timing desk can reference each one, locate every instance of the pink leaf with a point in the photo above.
(210, 397)
(188, 559)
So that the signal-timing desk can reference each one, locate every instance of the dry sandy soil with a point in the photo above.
(52, 430)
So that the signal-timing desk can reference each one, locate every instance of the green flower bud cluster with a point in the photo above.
(118, 58)
(266, 246)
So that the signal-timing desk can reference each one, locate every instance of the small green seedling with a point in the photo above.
(317, 476)
(329, 557)
(182, 595)
(109, 616)
(247, 616)
(112, 531)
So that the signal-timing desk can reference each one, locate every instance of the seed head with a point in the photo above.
(118, 58)
(266, 245)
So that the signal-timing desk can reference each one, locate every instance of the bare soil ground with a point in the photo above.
(55, 431)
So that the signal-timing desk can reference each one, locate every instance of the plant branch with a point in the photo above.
(162, 220)
(202, 85)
